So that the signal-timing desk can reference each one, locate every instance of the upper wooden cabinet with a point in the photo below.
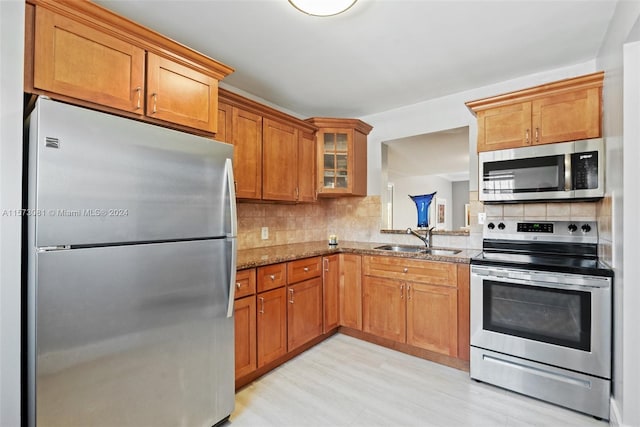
(180, 94)
(81, 53)
(279, 161)
(566, 110)
(342, 156)
(274, 156)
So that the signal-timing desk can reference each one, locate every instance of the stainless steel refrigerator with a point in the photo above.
(130, 272)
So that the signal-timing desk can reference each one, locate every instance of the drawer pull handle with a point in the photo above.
(261, 305)
(139, 90)
(155, 103)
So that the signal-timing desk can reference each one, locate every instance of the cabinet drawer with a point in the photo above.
(245, 283)
(304, 269)
(272, 276)
(431, 272)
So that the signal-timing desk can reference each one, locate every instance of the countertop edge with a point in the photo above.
(258, 257)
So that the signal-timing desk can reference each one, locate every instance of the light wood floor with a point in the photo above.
(348, 382)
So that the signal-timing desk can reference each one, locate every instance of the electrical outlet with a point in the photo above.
(265, 233)
(482, 217)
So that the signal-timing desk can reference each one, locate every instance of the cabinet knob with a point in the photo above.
(405, 270)
(238, 285)
(306, 269)
(272, 277)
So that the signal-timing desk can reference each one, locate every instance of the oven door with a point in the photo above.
(559, 319)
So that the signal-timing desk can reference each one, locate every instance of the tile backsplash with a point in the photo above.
(359, 219)
(350, 218)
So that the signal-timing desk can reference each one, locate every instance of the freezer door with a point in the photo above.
(132, 336)
(98, 179)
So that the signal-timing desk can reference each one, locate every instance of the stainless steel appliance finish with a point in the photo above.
(131, 271)
(568, 170)
(541, 313)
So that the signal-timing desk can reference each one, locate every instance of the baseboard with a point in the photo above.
(614, 413)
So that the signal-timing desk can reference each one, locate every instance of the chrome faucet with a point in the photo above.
(426, 238)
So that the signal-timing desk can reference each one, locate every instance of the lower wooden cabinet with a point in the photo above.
(400, 304)
(330, 292)
(383, 308)
(272, 325)
(432, 318)
(304, 312)
(245, 335)
(350, 291)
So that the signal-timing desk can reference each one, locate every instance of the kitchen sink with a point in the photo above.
(418, 249)
(442, 251)
(402, 248)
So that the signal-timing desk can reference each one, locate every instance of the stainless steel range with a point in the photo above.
(541, 313)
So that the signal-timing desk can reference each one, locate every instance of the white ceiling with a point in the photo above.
(445, 154)
(380, 54)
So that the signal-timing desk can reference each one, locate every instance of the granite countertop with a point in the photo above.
(248, 258)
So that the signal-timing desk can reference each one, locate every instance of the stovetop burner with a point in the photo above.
(558, 246)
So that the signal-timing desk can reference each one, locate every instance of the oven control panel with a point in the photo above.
(535, 227)
(552, 231)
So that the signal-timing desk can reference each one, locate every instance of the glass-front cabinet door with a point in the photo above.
(335, 167)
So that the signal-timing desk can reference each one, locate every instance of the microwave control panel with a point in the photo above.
(584, 167)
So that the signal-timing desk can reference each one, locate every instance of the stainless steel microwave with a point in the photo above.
(567, 170)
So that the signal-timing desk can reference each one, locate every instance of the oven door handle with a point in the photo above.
(540, 278)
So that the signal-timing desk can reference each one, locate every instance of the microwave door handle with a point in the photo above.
(568, 184)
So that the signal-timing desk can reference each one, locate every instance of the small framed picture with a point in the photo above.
(441, 213)
(467, 216)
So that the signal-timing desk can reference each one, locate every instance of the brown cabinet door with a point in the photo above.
(504, 127)
(432, 318)
(567, 116)
(307, 167)
(245, 336)
(82, 62)
(383, 308)
(279, 161)
(350, 297)
(180, 94)
(304, 312)
(335, 161)
(272, 325)
(330, 287)
(225, 122)
(247, 156)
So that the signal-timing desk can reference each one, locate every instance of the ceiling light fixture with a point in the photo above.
(322, 7)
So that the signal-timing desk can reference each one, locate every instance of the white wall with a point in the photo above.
(447, 113)
(405, 213)
(11, 71)
(621, 106)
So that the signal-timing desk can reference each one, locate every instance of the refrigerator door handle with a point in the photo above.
(228, 166)
(232, 277)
